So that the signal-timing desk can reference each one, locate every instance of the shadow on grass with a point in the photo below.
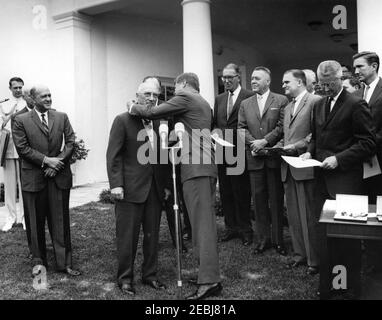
(245, 276)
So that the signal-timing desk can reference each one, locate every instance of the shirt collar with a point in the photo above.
(373, 84)
(334, 99)
(300, 96)
(40, 113)
(264, 96)
(237, 91)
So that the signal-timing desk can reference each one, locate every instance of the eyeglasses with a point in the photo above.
(229, 78)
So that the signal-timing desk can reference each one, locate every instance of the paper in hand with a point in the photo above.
(297, 162)
(221, 141)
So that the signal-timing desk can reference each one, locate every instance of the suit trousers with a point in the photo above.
(267, 193)
(299, 201)
(129, 218)
(50, 203)
(11, 184)
(346, 252)
(235, 195)
(199, 195)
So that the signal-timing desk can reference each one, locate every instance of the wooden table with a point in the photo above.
(370, 230)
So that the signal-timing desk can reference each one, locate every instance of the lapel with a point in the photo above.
(377, 92)
(237, 103)
(51, 119)
(268, 103)
(224, 105)
(299, 107)
(37, 121)
(256, 106)
(337, 105)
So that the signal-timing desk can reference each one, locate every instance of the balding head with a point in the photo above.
(329, 76)
(41, 97)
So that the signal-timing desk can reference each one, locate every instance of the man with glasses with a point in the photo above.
(342, 139)
(138, 188)
(234, 190)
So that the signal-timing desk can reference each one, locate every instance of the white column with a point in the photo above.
(197, 45)
(369, 26)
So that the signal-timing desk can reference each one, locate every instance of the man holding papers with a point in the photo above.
(342, 138)
(299, 183)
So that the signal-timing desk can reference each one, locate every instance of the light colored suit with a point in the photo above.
(299, 183)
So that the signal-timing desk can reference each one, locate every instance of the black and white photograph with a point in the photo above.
(165, 151)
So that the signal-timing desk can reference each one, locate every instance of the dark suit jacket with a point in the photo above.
(375, 105)
(269, 126)
(297, 131)
(348, 135)
(124, 169)
(195, 113)
(33, 145)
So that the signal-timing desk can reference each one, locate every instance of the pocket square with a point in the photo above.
(274, 108)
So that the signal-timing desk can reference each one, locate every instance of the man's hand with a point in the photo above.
(117, 193)
(167, 193)
(129, 105)
(330, 163)
(258, 144)
(290, 149)
(54, 163)
(50, 173)
(306, 156)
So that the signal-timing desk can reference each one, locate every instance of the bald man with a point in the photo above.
(342, 139)
(138, 187)
(46, 177)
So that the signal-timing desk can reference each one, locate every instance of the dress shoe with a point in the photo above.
(280, 249)
(187, 235)
(261, 247)
(246, 240)
(71, 272)
(228, 235)
(155, 284)
(297, 263)
(127, 288)
(205, 291)
(312, 270)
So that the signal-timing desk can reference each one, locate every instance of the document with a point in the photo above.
(297, 162)
(371, 169)
(221, 141)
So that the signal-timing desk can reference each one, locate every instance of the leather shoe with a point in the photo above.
(127, 288)
(297, 263)
(280, 249)
(71, 272)
(187, 235)
(246, 240)
(205, 291)
(193, 281)
(155, 284)
(228, 235)
(312, 270)
(261, 247)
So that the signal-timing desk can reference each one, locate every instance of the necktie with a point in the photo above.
(230, 104)
(260, 103)
(44, 123)
(292, 108)
(365, 94)
(327, 107)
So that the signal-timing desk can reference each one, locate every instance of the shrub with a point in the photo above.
(79, 151)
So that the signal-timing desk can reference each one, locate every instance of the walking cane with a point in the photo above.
(163, 132)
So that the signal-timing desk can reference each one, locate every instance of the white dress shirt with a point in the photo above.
(371, 89)
(261, 99)
(39, 115)
(334, 99)
(298, 100)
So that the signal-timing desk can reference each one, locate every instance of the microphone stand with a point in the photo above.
(177, 220)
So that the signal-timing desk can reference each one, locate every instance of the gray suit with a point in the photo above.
(299, 183)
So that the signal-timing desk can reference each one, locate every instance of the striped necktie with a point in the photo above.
(44, 123)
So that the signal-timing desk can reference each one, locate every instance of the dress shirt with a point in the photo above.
(39, 115)
(261, 99)
(235, 95)
(334, 99)
(298, 100)
(150, 131)
(371, 89)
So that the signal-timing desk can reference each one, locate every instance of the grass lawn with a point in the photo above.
(245, 276)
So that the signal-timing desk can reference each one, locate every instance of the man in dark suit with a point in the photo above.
(261, 116)
(234, 190)
(366, 66)
(299, 183)
(342, 139)
(46, 178)
(198, 174)
(138, 186)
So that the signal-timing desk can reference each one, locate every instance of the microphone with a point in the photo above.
(163, 133)
(179, 131)
(5, 100)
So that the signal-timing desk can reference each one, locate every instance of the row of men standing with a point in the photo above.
(341, 134)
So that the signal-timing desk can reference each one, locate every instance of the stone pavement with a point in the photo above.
(78, 196)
